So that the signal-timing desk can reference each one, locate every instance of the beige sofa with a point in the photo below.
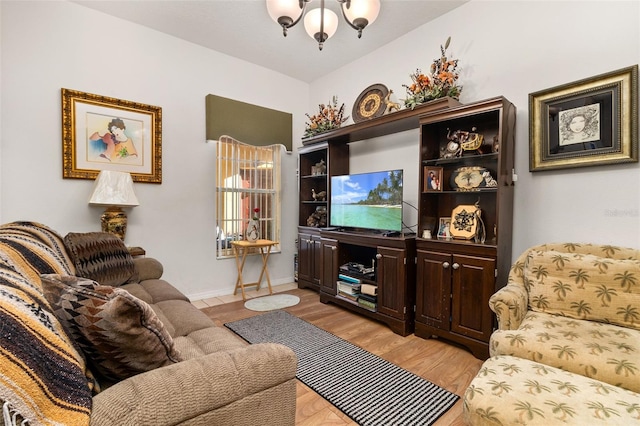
(208, 376)
(567, 350)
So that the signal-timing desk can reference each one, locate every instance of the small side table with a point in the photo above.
(240, 250)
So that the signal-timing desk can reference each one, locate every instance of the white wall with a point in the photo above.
(54, 44)
(505, 48)
(513, 48)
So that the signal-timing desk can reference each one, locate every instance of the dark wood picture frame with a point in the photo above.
(433, 179)
(585, 123)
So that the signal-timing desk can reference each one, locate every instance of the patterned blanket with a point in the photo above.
(43, 378)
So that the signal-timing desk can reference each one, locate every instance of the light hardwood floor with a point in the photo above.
(442, 363)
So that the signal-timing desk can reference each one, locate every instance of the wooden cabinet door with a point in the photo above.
(473, 285)
(305, 256)
(316, 261)
(391, 276)
(329, 265)
(433, 289)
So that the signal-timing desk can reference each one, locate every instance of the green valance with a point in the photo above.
(248, 123)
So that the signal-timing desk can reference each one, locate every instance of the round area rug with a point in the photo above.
(271, 303)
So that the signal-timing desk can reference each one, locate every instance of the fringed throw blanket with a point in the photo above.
(43, 378)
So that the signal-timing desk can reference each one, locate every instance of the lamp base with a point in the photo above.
(114, 221)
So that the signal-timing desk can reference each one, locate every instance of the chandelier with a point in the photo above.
(322, 23)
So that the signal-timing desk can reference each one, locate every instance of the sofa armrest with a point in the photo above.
(184, 391)
(510, 305)
(147, 268)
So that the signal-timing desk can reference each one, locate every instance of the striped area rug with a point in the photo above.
(369, 389)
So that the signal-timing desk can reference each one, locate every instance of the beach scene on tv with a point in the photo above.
(367, 200)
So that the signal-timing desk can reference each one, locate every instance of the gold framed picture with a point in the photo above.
(585, 123)
(103, 133)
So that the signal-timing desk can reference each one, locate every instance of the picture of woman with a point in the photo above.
(114, 145)
(579, 125)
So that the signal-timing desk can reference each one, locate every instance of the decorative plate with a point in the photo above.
(370, 103)
(471, 178)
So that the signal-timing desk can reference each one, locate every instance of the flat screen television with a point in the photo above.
(367, 200)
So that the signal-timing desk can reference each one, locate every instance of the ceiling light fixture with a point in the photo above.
(322, 23)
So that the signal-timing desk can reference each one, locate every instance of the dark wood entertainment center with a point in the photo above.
(394, 259)
(435, 287)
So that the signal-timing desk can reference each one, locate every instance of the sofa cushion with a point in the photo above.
(512, 391)
(101, 257)
(184, 317)
(584, 286)
(154, 291)
(43, 378)
(119, 333)
(207, 341)
(605, 352)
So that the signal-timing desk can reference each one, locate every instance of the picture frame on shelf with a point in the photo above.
(104, 133)
(444, 223)
(433, 179)
(589, 122)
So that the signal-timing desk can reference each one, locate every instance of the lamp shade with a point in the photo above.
(288, 9)
(312, 23)
(367, 9)
(113, 189)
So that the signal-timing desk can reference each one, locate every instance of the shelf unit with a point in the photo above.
(336, 162)
(455, 277)
(316, 245)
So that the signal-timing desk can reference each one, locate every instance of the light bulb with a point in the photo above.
(362, 12)
(312, 24)
(284, 12)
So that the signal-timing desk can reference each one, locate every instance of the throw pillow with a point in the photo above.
(101, 257)
(119, 333)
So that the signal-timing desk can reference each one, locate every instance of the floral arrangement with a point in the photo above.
(256, 210)
(329, 117)
(441, 82)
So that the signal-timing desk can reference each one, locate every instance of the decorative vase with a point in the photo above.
(252, 232)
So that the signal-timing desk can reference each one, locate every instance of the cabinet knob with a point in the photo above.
(378, 256)
(455, 266)
(445, 265)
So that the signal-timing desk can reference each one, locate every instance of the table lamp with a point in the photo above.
(114, 190)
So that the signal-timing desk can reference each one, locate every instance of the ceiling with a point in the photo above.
(243, 29)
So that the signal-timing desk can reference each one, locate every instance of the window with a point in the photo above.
(247, 178)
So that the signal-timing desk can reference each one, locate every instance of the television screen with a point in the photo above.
(367, 200)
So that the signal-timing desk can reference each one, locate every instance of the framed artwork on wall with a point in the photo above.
(433, 179)
(585, 123)
(103, 133)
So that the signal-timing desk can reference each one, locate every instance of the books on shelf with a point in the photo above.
(371, 306)
(369, 289)
(348, 278)
(368, 298)
(351, 297)
(348, 288)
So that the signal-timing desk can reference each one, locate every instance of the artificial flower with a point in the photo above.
(329, 117)
(441, 83)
